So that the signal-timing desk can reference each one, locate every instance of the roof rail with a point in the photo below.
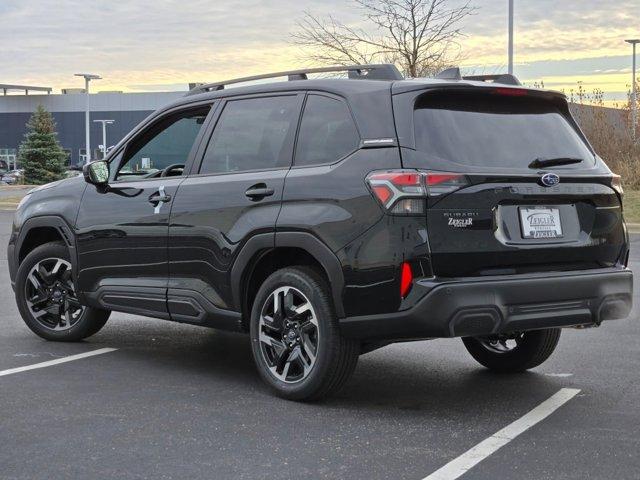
(454, 74)
(384, 71)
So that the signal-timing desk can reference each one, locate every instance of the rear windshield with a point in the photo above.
(491, 130)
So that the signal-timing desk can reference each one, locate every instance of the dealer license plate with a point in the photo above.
(540, 222)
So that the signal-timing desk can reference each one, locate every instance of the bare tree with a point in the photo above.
(418, 35)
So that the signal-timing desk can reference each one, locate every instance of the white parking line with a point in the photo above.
(57, 361)
(459, 466)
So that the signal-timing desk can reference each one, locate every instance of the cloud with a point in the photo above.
(164, 43)
(53, 38)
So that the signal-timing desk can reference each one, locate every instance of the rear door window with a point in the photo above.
(490, 130)
(327, 132)
(253, 134)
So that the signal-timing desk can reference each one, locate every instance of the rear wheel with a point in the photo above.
(47, 298)
(295, 338)
(513, 353)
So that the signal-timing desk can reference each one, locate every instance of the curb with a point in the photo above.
(633, 227)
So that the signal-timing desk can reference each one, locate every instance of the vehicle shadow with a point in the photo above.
(436, 381)
(417, 377)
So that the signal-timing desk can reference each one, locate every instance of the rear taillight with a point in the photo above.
(404, 192)
(443, 183)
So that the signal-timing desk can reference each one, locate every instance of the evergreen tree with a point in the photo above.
(40, 153)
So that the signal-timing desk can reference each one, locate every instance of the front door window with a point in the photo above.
(167, 142)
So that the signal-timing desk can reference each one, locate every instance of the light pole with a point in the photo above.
(634, 93)
(104, 134)
(511, 37)
(87, 78)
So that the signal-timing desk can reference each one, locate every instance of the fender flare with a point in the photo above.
(303, 240)
(52, 221)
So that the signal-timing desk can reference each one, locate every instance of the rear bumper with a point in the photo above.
(500, 304)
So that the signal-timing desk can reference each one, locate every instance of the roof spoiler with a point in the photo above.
(454, 74)
(383, 71)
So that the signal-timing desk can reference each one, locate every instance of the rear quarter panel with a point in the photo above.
(334, 204)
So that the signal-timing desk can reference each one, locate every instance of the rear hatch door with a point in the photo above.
(528, 195)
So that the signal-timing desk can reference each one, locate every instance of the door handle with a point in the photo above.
(159, 197)
(259, 191)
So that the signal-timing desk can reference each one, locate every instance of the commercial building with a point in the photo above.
(129, 109)
(126, 109)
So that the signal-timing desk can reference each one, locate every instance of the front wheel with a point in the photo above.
(513, 353)
(47, 298)
(295, 338)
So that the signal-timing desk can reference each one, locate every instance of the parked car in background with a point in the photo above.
(73, 171)
(12, 177)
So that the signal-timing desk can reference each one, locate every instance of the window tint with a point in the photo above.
(252, 135)
(167, 142)
(327, 132)
(495, 131)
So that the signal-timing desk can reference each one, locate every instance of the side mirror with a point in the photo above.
(96, 173)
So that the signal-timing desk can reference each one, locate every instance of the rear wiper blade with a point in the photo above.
(552, 162)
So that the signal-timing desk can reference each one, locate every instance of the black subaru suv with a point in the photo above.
(329, 217)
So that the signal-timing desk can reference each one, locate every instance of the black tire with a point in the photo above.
(532, 349)
(89, 322)
(335, 356)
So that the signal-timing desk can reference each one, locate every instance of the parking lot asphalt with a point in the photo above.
(13, 191)
(176, 401)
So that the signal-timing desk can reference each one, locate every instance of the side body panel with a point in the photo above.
(334, 204)
(122, 230)
(56, 206)
(122, 245)
(212, 220)
(213, 217)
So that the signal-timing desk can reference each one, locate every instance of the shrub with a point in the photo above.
(609, 132)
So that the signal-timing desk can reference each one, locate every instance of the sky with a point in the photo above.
(141, 45)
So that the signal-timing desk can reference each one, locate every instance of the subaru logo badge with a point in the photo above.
(550, 179)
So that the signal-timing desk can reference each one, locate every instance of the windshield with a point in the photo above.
(490, 130)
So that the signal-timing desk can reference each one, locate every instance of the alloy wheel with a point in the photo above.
(51, 296)
(288, 334)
